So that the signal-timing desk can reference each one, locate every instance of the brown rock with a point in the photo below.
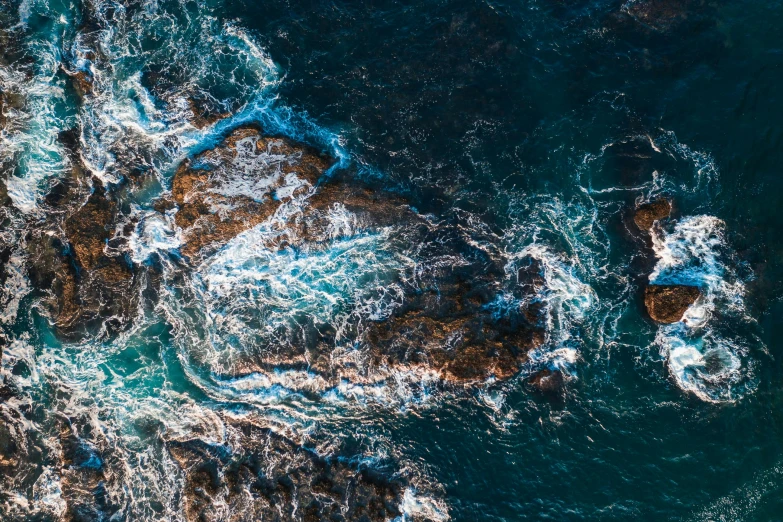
(90, 227)
(83, 82)
(649, 213)
(370, 210)
(448, 327)
(89, 288)
(266, 476)
(240, 183)
(83, 476)
(668, 303)
(9, 101)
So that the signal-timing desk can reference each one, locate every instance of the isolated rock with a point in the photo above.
(649, 213)
(668, 303)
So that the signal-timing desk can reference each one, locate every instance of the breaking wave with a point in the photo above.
(705, 354)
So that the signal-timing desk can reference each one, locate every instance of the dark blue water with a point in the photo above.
(541, 125)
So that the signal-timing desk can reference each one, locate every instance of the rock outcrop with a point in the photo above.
(447, 325)
(668, 303)
(266, 476)
(240, 183)
(76, 256)
(82, 81)
(649, 213)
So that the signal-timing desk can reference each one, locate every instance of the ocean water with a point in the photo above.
(524, 132)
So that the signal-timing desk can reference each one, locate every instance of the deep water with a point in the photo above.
(541, 124)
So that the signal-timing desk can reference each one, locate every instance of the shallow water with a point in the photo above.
(516, 132)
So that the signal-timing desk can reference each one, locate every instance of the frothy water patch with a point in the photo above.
(705, 355)
(567, 302)
(154, 234)
(31, 141)
(565, 245)
(417, 507)
(255, 294)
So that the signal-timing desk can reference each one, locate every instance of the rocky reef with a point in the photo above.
(77, 256)
(239, 184)
(262, 475)
(445, 324)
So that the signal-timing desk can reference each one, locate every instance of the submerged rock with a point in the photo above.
(668, 303)
(630, 160)
(240, 183)
(84, 479)
(662, 15)
(265, 476)
(548, 381)
(649, 213)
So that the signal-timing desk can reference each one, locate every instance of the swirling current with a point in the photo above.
(390, 261)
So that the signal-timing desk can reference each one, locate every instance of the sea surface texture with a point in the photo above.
(279, 260)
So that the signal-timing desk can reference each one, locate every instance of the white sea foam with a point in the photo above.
(128, 401)
(155, 233)
(47, 493)
(416, 507)
(352, 279)
(705, 356)
(16, 287)
(31, 139)
(567, 246)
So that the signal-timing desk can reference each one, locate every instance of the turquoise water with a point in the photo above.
(532, 127)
